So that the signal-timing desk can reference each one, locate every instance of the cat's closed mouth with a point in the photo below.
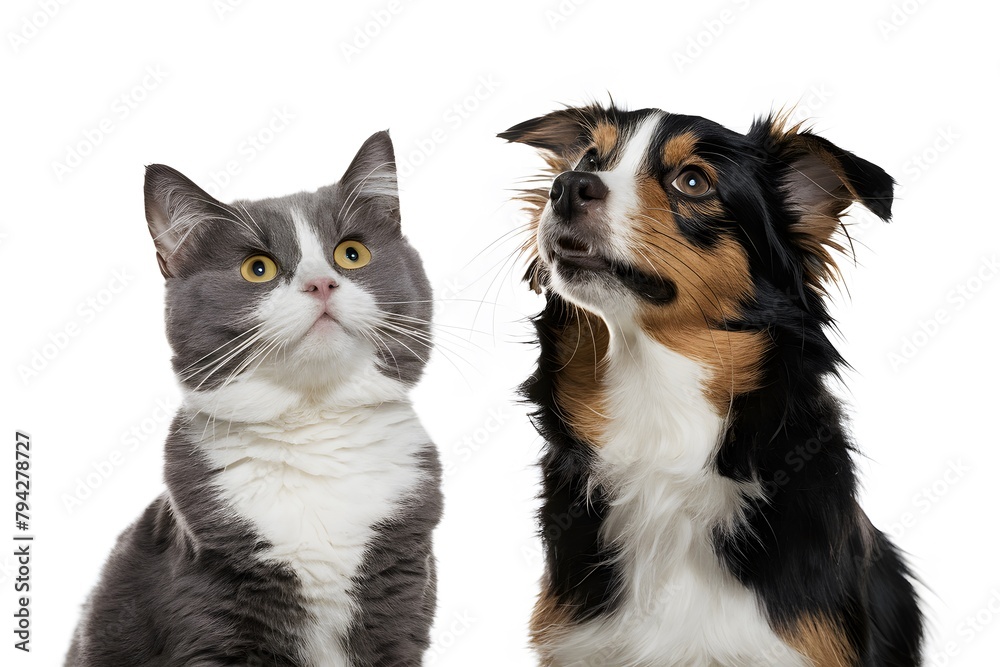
(324, 320)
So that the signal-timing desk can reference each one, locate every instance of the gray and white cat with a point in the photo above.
(302, 490)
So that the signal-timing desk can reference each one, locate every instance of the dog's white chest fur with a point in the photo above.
(680, 606)
(315, 491)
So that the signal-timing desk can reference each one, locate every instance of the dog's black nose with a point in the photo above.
(573, 192)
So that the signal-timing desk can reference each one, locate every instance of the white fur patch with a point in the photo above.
(314, 486)
(300, 361)
(315, 445)
(621, 203)
(680, 606)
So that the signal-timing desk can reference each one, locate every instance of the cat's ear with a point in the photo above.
(370, 179)
(174, 206)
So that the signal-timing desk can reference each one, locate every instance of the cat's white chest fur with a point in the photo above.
(314, 489)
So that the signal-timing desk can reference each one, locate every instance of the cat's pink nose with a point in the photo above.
(320, 287)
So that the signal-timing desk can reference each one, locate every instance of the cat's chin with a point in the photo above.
(325, 342)
(323, 325)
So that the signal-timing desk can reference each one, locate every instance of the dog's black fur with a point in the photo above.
(806, 548)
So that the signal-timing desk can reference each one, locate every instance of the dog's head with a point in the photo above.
(715, 244)
(674, 221)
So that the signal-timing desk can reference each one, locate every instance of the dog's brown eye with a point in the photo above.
(693, 182)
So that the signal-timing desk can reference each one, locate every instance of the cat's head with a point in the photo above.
(307, 296)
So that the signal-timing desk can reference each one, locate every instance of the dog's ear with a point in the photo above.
(819, 182)
(563, 134)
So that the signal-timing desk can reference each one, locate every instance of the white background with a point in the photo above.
(910, 86)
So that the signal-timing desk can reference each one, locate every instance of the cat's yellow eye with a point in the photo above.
(258, 269)
(352, 255)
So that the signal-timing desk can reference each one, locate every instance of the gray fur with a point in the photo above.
(397, 587)
(193, 595)
(207, 302)
(184, 584)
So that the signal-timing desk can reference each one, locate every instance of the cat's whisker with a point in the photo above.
(381, 344)
(385, 328)
(311, 454)
(423, 339)
(260, 335)
(404, 345)
(399, 303)
(229, 356)
(260, 353)
(432, 323)
(228, 342)
(414, 323)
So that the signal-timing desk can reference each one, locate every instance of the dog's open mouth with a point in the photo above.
(575, 254)
(575, 257)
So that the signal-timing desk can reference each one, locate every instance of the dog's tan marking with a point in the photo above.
(821, 640)
(605, 136)
(678, 148)
(734, 357)
(710, 286)
(548, 619)
(582, 348)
